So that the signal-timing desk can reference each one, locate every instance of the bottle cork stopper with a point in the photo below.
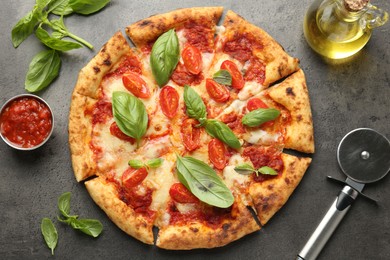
(355, 5)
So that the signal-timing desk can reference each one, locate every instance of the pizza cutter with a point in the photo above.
(364, 156)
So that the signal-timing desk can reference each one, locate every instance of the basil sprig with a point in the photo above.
(130, 115)
(152, 163)
(247, 169)
(223, 77)
(260, 116)
(203, 182)
(91, 227)
(49, 233)
(195, 108)
(165, 56)
(40, 17)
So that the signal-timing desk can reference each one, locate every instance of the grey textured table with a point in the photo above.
(343, 97)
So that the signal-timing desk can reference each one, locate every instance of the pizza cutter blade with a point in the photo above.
(364, 156)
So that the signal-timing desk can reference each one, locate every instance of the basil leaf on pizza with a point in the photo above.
(247, 169)
(195, 107)
(223, 77)
(136, 164)
(221, 131)
(165, 56)
(130, 115)
(154, 163)
(267, 171)
(203, 182)
(260, 116)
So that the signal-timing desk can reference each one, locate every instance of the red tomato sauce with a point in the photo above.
(199, 36)
(101, 112)
(211, 216)
(129, 63)
(255, 71)
(233, 121)
(26, 122)
(262, 156)
(241, 46)
(181, 76)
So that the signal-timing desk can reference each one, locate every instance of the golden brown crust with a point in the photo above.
(292, 93)
(278, 64)
(198, 235)
(270, 195)
(106, 196)
(148, 30)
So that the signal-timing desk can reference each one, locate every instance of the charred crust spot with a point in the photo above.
(226, 226)
(287, 180)
(145, 23)
(195, 230)
(270, 186)
(157, 128)
(299, 118)
(96, 69)
(290, 92)
(107, 62)
(104, 48)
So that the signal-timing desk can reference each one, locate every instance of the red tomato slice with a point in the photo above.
(255, 103)
(237, 78)
(217, 91)
(136, 85)
(181, 194)
(192, 59)
(217, 154)
(115, 131)
(133, 177)
(190, 134)
(169, 101)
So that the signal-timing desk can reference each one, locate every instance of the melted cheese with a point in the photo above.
(185, 208)
(250, 89)
(230, 176)
(261, 136)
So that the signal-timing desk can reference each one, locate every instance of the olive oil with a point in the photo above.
(336, 32)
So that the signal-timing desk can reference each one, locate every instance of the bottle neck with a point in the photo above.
(346, 15)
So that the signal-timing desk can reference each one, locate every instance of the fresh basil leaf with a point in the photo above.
(60, 7)
(58, 35)
(223, 77)
(260, 116)
(43, 68)
(24, 27)
(64, 204)
(55, 43)
(203, 182)
(165, 56)
(49, 233)
(87, 6)
(221, 131)
(136, 164)
(154, 163)
(40, 4)
(245, 169)
(130, 114)
(267, 171)
(195, 107)
(91, 227)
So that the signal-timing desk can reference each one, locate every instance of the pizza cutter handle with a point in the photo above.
(328, 224)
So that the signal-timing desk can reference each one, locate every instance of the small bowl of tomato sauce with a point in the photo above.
(26, 122)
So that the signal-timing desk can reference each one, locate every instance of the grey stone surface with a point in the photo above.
(343, 97)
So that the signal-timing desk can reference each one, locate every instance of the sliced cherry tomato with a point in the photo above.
(217, 91)
(181, 194)
(190, 134)
(133, 177)
(169, 101)
(237, 78)
(115, 131)
(255, 103)
(217, 154)
(192, 58)
(136, 85)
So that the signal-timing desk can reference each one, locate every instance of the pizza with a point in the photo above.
(190, 130)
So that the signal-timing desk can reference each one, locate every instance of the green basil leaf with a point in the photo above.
(136, 164)
(87, 6)
(267, 171)
(223, 77)
(203, 182)
(40, 4)
(49, 233)
(154, 163)
(195, 108)
(64, 204)
(130, 114)
(260, 116)
(60, 7)
(55, 43)
(24, 27)
(245, 169)
(222, 132)
(91, 227)
(164, 57)
(43, 68)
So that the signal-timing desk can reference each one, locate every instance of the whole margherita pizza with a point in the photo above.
(188, 130)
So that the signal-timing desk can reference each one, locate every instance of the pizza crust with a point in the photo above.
(106, 196)
(270, 195)
(292, 93)
(148, 30)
